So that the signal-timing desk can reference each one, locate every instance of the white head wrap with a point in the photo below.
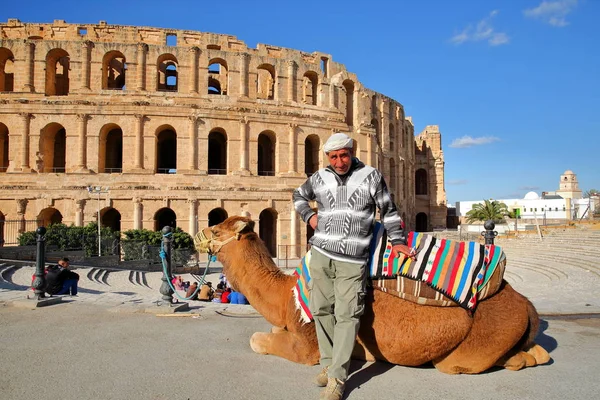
(338, 141)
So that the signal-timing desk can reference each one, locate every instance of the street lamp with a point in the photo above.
(98, 190)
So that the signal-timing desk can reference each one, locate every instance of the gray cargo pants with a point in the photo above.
(337, 300)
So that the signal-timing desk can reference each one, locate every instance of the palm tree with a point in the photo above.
(490, 209)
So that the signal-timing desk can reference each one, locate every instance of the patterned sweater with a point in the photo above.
(346, 214)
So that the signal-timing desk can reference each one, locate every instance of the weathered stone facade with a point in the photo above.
(182, 126)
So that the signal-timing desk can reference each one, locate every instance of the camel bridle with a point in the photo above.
(211, 245)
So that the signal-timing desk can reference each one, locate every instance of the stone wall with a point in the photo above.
(179, 125)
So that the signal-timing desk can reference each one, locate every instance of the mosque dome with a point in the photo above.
(568, 172)
(532, 196)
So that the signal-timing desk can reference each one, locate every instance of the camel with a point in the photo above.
(500, 332)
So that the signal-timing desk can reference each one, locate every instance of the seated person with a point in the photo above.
(190, 292)
(237, 298)
(59, 280)
(225, 295)
(177, 283)
(206, 292)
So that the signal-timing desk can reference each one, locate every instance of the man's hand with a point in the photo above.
(313, 222)
(404, 249)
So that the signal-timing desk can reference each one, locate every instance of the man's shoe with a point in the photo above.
(322, 378)
(334, 390)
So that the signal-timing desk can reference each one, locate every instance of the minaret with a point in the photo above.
(569, 187)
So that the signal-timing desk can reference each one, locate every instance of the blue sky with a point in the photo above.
(513, 84)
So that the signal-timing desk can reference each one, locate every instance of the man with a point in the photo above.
(347, 193)
(59, 280)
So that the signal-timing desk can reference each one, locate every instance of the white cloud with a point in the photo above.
(552, 12)
(483, 31)
(457, 182)
(468, 141)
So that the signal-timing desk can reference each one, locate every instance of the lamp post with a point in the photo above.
(98, 190)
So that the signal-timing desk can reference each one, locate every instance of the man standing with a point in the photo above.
(347, 193)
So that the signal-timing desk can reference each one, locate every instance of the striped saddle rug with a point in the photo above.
(445, 273)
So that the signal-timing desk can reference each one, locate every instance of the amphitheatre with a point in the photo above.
(186, 128)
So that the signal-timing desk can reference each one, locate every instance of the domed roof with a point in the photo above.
(568, 172)
(532, 196)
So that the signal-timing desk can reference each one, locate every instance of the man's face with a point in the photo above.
(64, 264)
(340, 160)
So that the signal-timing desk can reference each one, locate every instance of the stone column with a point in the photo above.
(137, 213)
(293, 232)
(244, 146)
(193, 161)
(370, 149)
(194, 52)
(29, 63)
(142, 49)
(79, 205)
(21, 208)
(193, 222)
(82, 156)
(139, 142)
(26, 119)
(86, 48)
(293, 149)
(244, 59)
(292, 68)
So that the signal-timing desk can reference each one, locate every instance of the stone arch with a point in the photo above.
(216, 216)
(53, 148)
(393, 175)
(312, 151)
(310, 84)
(167, 77)
(266, 153)
(114, 68)
(421, 182)
(110, 155)
(218, 77)
(349, 88)
(392, 132)
(374, 108)
(57, 72)
(166, 150)
(422, 223)
(217, 152)
(7, 70)
(268, 229)
(265, 82)
(4, 145)
(111, 218)
(165, 217)
(49, 216)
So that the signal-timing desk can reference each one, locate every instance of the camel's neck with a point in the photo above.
(251, 270)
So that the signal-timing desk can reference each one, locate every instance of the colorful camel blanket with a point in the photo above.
(456, 270)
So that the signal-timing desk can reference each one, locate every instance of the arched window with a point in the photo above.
(265, 82)
(216, 216)
(166, 151)
(217, 76)
(110, 158)
(7, 70)
(374, 109)
(57, 73)
(349, 88)
(266, 154)
(3, 147)
(111, 218)
(49, 216)
(375, 124)
(393, 174)
(217, 152)
(311, 154)
(421, 182)
(268, 229)
(165, 217)
(166, 73)
(392, 137)
(310, 84)
(422, 223)
(52, 149)
(113, 70)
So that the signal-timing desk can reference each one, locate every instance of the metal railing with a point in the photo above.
(289, 255)
(166, 170)
(266, 173)
(113, 170)
(217, 171)
(58, 170)
(11, 229)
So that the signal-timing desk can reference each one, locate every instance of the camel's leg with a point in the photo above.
(498, 325)
(517, 361)
(361, 352)
(288, 345)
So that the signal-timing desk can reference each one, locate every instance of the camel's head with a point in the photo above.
(212, 239)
